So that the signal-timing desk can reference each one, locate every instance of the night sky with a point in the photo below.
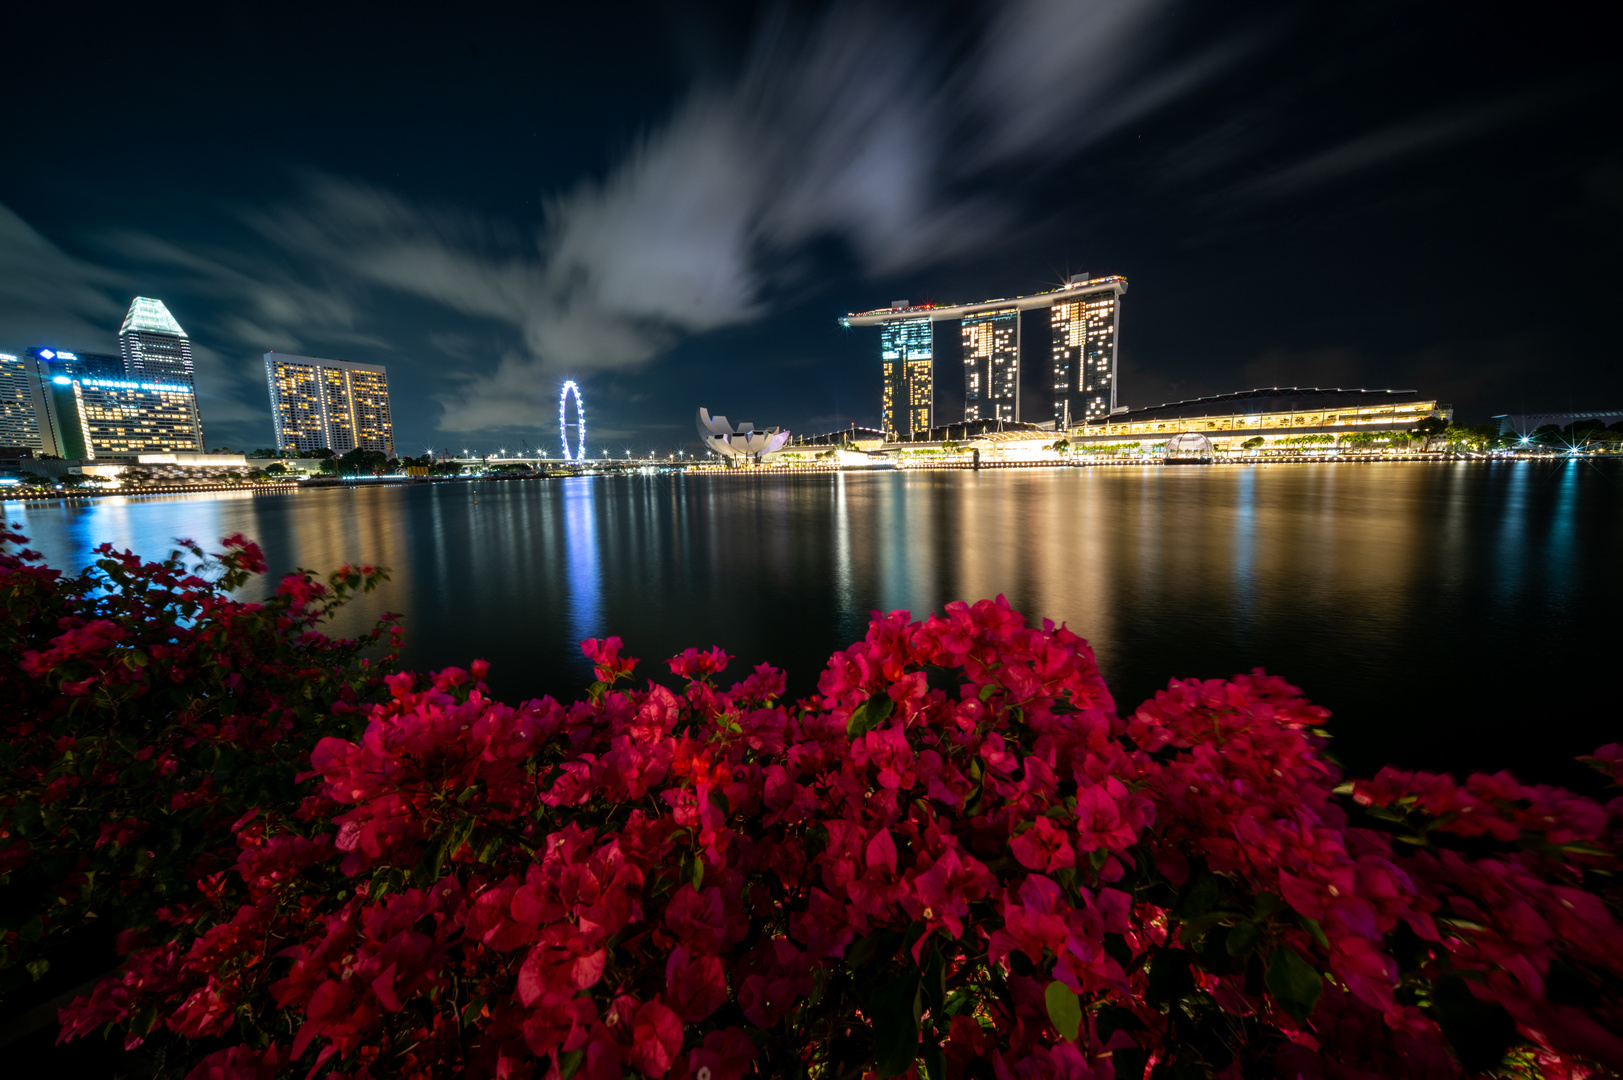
(673, 203)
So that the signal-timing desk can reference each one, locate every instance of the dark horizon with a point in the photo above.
(674, 204)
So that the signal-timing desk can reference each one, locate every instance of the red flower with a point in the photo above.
(695, 985)
(1043, 847)
(656, 1037)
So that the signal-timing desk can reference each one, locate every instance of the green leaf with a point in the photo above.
(1242, 939)
(935, 1062)
(428, 870)
(1293, 982)
(1064, 1010)
(896, 1024)
(569, 1062)
(1267, 904)
(1199, 895)
(37, 969)
(1312, 926)
(869, 715)
(459, 834)
(933, 982)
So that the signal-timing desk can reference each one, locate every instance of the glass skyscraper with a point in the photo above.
(992, 365)
(157, 351)
(1085, 331)
(907, 353)
(329, 404)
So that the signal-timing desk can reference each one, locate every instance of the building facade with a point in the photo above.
(907, 358)
(156, 351)
(992, 365)
(89, 406)
(22, 401)
(1085, 330)
(329, 404)
(1272, 414)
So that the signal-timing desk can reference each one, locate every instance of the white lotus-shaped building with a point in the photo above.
(741, 442)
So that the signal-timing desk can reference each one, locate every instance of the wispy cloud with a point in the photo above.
(842, 127)
(50, 297)
(1430, 132)
(864, 126)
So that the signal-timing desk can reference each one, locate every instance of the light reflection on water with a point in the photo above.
(1452, 615)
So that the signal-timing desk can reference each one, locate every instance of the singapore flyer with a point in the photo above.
(579, 423)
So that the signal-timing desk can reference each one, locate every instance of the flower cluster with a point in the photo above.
(954, 860)
(147, 708)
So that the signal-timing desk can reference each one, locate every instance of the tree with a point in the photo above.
(1253, 443)
(323, 453)
(278, 469)
(1429, 429)
(1548, 435)
(1483, 436)
(359, 461)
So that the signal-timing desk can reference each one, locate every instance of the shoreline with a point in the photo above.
(291, 487)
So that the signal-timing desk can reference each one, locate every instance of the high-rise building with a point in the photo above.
(1086, 327)
(329, 404)
(22, 402)
(157, 351)
(992, 365)
(1085, 321)
(907, 354)
(91, 406)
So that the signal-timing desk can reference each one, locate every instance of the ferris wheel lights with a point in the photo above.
(579, 453)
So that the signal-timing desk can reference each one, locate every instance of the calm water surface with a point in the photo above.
(1452, 616)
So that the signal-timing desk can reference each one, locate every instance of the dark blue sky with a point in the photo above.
(672, 203)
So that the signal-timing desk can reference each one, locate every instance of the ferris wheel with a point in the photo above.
(579, 423)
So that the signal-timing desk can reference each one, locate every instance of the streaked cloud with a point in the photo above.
(1428, 133)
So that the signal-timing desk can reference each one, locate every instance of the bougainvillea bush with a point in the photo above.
(145, 710)
(956, 859)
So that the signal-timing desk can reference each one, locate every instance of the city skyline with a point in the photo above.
(726, 181)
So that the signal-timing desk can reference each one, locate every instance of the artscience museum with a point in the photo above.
(742, 443)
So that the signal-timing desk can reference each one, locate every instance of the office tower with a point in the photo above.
(992, 365)
(93, 407)
(329, 404)
(907, 352)
(157, 351)
(21, 404)
(1085, 331)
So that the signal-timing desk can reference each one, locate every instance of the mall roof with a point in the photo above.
(1272, 399)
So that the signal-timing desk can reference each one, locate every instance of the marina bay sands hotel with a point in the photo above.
(1084, 320)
